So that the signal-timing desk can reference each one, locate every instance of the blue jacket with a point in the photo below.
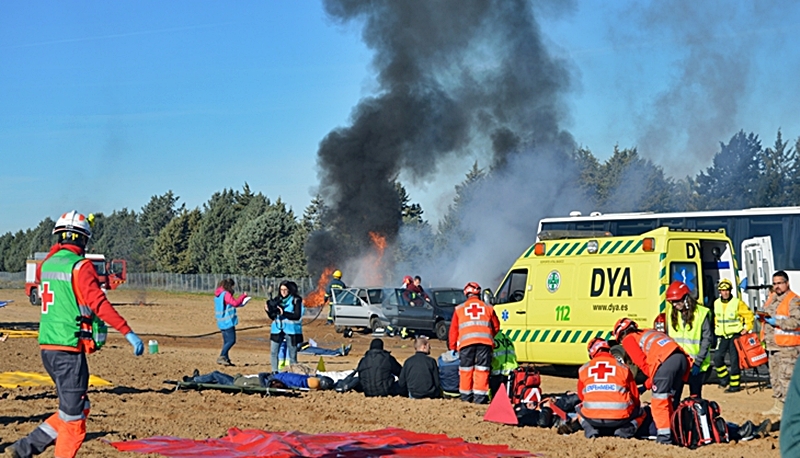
(225, 313)
(291, 322)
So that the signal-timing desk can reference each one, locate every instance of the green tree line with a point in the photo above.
(241, 232)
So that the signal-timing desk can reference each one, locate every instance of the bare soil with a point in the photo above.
(141, 405)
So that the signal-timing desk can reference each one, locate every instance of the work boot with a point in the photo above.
(776, 410)
(763, 429)
(569, 427)
(746, 431)
(733, 389)
(723, 382)
(224, 361)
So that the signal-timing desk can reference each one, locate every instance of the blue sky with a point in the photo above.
(104, 104)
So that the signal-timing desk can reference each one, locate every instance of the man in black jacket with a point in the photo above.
(420, 375)
(377, 371)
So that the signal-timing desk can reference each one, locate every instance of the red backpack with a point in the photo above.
(523, 385)
(751, 352)
(697, 422)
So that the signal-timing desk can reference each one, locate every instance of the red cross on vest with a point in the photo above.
(601, 371)
(474, 311)
(48, 297)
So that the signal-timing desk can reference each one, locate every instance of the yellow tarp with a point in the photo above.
(15, 379)
(12, 333)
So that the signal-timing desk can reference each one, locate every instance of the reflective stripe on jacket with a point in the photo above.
(504, 358)
(474, 319)
(728, 320)
(65, 319)
(607, 389)
(285, 325)
(656, 346)
(786, 337)
(691, 339)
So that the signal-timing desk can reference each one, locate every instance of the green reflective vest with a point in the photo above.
(63, 321)
(504, 358)
(690, 339)
(726, 318)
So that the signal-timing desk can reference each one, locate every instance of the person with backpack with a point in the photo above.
(472, 332)
(732, 318)
(689, 324)
(664, 363)
(609, 395)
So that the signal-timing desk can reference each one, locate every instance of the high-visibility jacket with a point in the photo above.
(286, 325)
(648, 349)
(474, 322)
(607, 389)
(225, 313)
(66, 320)
(690, 339)
(786, 337)
(731, 317)
(504, 358)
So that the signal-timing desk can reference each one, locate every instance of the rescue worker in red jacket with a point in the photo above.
(72, 305)
(472, 332)
(609, 395)
(664, 363)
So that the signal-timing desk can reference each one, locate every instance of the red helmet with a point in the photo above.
(677, 290)
(407, 280)
(472, 289)
(622, 326)
(596, 345)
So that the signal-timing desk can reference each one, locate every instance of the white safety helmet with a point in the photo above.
(73, 223)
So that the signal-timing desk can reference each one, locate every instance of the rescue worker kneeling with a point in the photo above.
(609, 395)
(664, 363)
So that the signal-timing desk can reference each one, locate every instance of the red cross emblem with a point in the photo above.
(601, 371)
(474, 311)
(48, 297)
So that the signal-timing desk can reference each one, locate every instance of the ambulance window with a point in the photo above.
(685, 272)
(634, 227)
(590, 226)
(513, 289)
(772, 226)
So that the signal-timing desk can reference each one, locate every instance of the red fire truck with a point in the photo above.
(112, 273)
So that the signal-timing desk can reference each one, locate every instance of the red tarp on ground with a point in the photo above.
(392, 442)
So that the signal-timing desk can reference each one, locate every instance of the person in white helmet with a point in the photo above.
(69, 289)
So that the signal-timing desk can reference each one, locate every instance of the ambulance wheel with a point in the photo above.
(441, 330)
(34, 297)
(621, 356)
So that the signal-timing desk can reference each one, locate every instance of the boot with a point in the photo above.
(569, 427)
(776, 410)
(763, 429)
(732, 389)
(746, 431)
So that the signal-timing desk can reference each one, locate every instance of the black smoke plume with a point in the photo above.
(454, 77)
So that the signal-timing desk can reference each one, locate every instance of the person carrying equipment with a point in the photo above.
(72, 306)
(609, 395)
(664, 363)
(689, 324)
(335, 283)
(472, 332)
(732, 317)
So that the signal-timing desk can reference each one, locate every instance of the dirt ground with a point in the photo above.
(141, 405)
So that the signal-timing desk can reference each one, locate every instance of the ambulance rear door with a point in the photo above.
(717, 263)
(757, 267)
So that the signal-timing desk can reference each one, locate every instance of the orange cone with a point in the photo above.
(500, 410)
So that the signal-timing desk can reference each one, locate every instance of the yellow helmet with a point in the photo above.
(725, 285)
(337, 273)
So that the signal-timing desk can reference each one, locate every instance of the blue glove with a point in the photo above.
(770, 321)
(642, 389)
(136, 343)
(695, 370)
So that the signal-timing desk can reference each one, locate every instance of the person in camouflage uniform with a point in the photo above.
(781, 332)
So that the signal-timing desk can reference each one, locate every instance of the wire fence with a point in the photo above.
(187, 283)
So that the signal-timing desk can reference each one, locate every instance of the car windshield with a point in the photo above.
(344, 296)
(451, 297)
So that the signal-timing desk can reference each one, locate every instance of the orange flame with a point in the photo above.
(375, 277)
(316, 298)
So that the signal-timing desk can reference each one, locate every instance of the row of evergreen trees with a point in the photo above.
(241, 232)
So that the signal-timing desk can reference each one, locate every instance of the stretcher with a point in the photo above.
(18, 379)
(15, 333)
(263, 391)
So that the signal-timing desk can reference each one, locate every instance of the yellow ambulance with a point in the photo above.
(564, 291)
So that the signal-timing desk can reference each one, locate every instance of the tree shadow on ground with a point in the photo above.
(5, 421)
(133, 390)
(21, 326)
